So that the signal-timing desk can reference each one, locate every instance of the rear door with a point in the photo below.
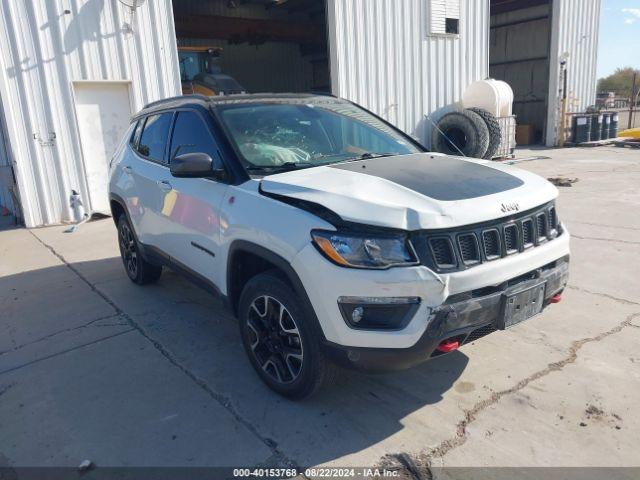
(150, 178)
(191, 209)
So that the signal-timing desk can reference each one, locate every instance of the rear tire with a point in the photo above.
(495, 132)
(280, 339)
(461, 132)
(138, 269)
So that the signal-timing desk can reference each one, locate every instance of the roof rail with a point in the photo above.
(322, 93)
(179, 97)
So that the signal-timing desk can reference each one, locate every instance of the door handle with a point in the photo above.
(164, 186)
(127, 169)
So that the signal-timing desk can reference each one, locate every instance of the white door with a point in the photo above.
(103, 111)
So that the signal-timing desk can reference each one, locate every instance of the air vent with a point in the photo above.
(527, 233)
(491, 241)
(543, 227)
(442, 251)
(469, 251)
(511, 239)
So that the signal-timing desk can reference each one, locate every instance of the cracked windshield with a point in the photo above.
(284, 136)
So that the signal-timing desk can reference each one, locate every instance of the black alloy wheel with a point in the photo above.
(128, 250)
(275, 339)
(138, 269)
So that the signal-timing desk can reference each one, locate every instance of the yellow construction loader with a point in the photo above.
(201, 73)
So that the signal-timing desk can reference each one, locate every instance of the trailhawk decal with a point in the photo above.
(445, 179)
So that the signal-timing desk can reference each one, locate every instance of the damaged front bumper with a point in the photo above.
(463, 317)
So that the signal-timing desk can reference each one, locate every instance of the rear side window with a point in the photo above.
(136, 132)
(191, 134)
(155, 134)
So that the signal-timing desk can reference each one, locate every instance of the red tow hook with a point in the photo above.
(448, 346)
(557, 298)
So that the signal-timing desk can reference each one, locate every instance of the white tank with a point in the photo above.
(494, 96)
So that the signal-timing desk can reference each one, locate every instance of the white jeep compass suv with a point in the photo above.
(334, 237)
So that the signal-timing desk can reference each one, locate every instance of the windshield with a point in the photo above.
(276, 136)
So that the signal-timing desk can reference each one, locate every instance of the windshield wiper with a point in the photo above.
(369, 155)
(287, 166)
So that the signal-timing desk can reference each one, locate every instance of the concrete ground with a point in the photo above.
(94, 367)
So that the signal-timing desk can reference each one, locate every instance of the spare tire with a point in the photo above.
(495, 133)
(461, 132)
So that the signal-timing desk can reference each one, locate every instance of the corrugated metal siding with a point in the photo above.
(6, 176)
(383, 57)
(42, 51)
(575, 29)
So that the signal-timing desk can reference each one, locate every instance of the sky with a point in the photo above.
(619, 36)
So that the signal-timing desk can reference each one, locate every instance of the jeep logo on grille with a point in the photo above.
(510, 207)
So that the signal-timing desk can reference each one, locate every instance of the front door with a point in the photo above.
(191, 209)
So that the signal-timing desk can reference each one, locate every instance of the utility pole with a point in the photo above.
(633, 100)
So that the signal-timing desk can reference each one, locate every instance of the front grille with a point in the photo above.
(479, 333)
(443, 252)
(491, 242)
(542, 225)
(511, 239)
(469, 251)
(553, 220)
(466, 247)
(528, 237)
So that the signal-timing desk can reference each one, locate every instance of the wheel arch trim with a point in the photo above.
(239, 246)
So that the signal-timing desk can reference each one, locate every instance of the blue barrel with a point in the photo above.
(606, 126)
(596, 127)
(581, 128)
(613, 127)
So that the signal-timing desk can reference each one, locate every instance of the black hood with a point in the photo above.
(445, 179)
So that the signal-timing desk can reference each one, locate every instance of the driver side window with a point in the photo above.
(191, 135)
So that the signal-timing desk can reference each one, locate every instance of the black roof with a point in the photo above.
(203, 101)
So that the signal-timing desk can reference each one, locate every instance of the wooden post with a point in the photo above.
(633, 100)
(563, 109)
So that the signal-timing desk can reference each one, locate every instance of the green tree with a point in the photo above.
(620, 82)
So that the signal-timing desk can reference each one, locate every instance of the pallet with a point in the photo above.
(596, 143)
(635, 143)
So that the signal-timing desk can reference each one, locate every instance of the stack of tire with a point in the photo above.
(473, 132)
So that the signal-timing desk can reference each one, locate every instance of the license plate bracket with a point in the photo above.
(521, 305)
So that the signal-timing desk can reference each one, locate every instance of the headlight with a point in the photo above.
(365, 251)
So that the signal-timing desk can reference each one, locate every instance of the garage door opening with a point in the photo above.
(233, 46)
(519, 46)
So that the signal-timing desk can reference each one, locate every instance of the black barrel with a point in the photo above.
(581, 128)
(606, 125)
(613, 127)
(596, 127)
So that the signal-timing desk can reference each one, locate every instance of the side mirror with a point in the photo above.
(195, 165)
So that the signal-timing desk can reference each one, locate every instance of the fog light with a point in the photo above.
(357, 314)
(378, 313)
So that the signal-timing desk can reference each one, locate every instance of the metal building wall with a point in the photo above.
(46, 45)
(6, 176)
(575, 29)
(383, 57)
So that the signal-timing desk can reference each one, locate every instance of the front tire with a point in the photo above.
(138, 269)
(280, 339)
